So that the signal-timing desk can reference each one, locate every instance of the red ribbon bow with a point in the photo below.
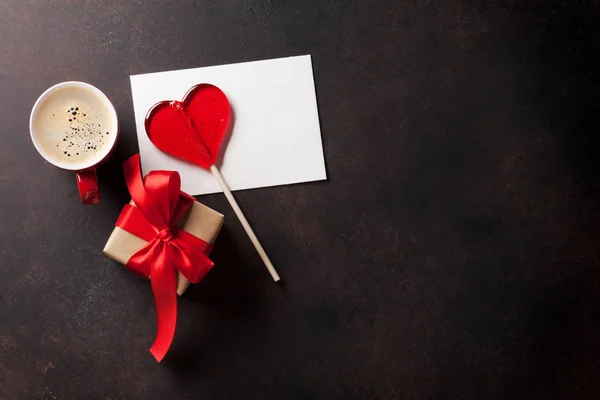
(159, 204)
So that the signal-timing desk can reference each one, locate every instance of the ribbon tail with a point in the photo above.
(164, 288)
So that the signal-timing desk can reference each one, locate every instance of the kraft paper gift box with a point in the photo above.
(200, 221)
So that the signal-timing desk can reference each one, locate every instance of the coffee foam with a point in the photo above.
(73, 126)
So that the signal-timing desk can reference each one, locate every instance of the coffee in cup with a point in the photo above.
(74, 126)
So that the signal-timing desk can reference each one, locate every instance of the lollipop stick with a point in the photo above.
(244, 222)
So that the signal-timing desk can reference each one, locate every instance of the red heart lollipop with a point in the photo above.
(193, 130)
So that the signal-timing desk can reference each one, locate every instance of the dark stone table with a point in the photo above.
(453, 253)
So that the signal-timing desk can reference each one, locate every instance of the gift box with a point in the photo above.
(201, 221)
(165, 235)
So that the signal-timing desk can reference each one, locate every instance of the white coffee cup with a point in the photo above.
(75, 117)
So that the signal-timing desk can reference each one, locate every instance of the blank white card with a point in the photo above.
(276, 138)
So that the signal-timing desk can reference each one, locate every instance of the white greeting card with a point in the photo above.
(276, 138)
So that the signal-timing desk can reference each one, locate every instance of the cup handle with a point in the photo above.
(87, 183)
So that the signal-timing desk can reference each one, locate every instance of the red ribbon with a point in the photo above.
(159, 204)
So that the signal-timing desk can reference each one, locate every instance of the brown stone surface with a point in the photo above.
(452, 254)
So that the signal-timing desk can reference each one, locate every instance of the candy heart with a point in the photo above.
(192, 129)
